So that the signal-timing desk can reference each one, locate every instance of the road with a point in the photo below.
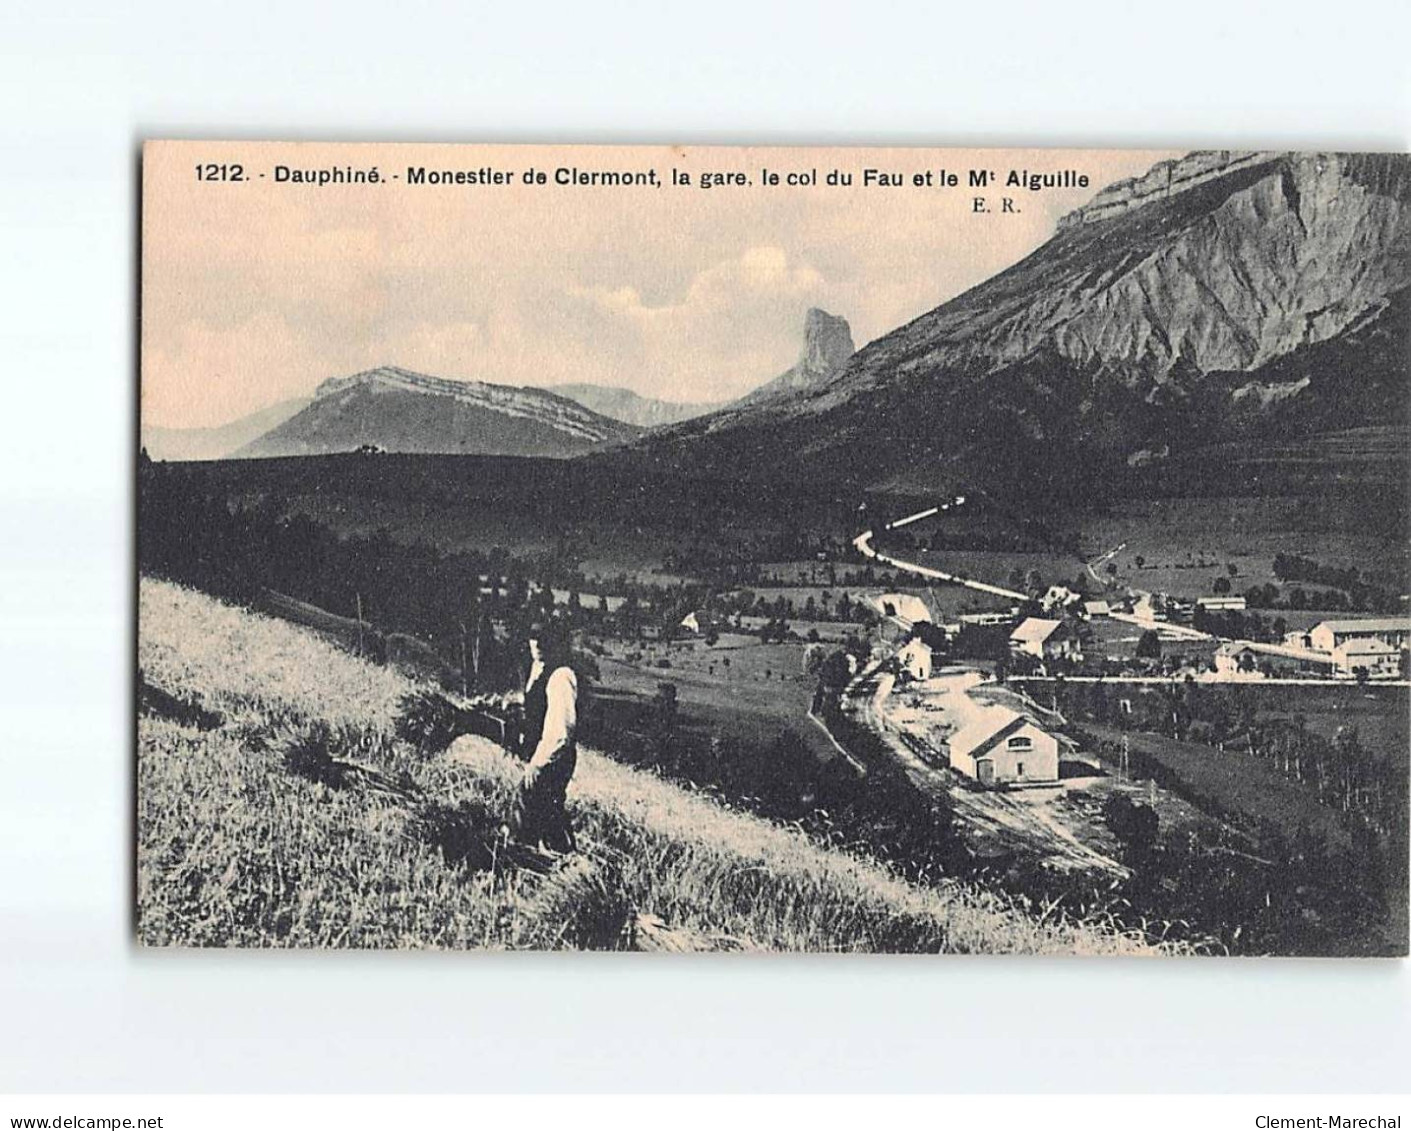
(1181, 631)
(863, 543)
(1097, 561)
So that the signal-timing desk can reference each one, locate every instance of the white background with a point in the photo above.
(82, 83)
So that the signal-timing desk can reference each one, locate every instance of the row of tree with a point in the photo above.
(1341, 772)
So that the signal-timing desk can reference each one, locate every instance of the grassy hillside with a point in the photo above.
(276, 807)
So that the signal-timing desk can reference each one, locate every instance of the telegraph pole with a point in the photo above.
(465, 687)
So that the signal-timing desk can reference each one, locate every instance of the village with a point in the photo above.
(953, 669)
(968, 705)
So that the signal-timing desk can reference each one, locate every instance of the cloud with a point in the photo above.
(738, 323)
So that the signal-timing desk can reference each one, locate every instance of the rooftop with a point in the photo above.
(1370, 624)
(1372, 647)
(1034, 630)
(985, 727)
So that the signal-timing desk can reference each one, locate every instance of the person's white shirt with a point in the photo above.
(561, 712)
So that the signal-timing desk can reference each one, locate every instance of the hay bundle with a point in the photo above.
(580, 904)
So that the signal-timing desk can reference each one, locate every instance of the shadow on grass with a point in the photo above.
(152, 700)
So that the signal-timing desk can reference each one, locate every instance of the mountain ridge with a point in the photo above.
(1103, 341)
(393, 409)
(622, 404)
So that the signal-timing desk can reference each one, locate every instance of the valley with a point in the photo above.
(1088, 586)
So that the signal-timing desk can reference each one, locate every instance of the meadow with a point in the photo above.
(739, 689)
(278, 806)
(1186, 543)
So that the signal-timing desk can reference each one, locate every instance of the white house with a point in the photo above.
(1058, 598)
(998, 746)
(1331, 635)
(691, 623)
(1093, 609)
(903, 606)
(1046, 639)
(915, 659)
(1367, 654)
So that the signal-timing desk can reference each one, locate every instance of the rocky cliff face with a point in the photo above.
(1164, 179)
(1132, 329)
(1249, 261)
(398, 410)
(827, 348)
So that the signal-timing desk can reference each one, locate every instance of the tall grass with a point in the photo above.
(302, 819)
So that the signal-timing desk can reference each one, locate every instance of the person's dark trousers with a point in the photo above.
(539, 816)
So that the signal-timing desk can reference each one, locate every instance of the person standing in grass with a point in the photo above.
(547, 741)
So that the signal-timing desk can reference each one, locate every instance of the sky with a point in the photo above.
(255, 292)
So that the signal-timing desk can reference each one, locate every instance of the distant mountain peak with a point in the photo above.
(827, 348)
(1224, 297)
(827, 343)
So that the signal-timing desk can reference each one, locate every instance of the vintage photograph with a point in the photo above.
(859, 550)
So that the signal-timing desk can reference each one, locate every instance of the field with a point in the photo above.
(739, 688)
(277, 807)
(1187, 543)
(1381, 716)
(1246, 788)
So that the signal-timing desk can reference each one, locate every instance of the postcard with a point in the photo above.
(867, 550)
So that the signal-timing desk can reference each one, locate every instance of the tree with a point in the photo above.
(1149, 646)
(1111, 568)
(1140, 560)
(1233, 569)
(1221, 585)
(1135, 825)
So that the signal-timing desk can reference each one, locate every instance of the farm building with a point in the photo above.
(1331, 635)
(1046, 639)
(1222, 604)
(998, 746)
(983, 619)
(1245, 657)
(1236, 656)
(1376, 657)
(915, 659)
(1093, 609)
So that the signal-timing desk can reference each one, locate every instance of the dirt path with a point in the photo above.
(993, 822)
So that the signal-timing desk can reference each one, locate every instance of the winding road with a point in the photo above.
(863, 543)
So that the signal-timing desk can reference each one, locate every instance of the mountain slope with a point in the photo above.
(1132, 329)
(278, 808)
(217, 443)
(397, 410)
(629, 407)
